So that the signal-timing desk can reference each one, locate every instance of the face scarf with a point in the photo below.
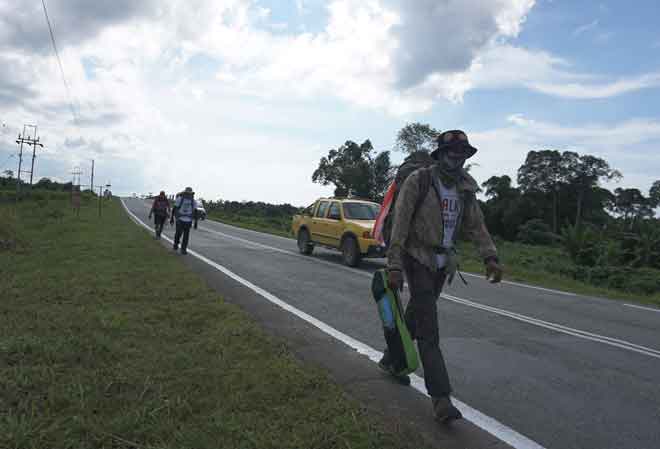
(450, 169)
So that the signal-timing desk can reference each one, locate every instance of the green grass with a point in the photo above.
(9, 196)
(535, 265)
(275, 226)
(108, 341)
(538, 265)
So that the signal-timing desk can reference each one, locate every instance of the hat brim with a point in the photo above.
(469, 150)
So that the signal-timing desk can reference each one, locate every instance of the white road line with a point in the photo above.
(287, 252)
(490, 425)
(287, 239)
(623, 344)
(517, 284)
(284, 251)
(643, 308)
(533, 287)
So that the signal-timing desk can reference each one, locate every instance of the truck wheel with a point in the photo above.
(350, 251)
(305, 245)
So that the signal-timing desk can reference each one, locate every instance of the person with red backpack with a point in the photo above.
(432, 200)
(160, 209)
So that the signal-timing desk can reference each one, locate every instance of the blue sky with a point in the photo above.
(240, 98)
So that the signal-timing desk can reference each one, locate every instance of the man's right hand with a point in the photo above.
(395, 279)
(494, 271)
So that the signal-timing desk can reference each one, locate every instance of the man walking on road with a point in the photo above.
(433, 206)
(160, 209)
(184, 209)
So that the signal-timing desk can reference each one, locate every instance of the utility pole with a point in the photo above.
(20, 163)
(75, 191)
(77, 173)
(91, 182)
(34, 155)
(30, 140)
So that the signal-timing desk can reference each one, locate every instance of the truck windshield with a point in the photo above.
(360, 211)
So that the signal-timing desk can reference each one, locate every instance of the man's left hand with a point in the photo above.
(494, 271)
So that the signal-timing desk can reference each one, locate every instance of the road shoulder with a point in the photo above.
(355, 373)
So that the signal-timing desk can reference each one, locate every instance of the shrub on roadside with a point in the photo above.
(581, 243)
(537, 232)
(643, 281)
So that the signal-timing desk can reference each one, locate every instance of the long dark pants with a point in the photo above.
(182, 227)
(422, 320)
(159, 222)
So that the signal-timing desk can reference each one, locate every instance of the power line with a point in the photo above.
(59, 62)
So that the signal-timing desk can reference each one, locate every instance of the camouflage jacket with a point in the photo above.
(420, 233)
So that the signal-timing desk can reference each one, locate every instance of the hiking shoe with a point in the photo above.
(385, 365)
(444, 411)
(183, 251)
(175, 247)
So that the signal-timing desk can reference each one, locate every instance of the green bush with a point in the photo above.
(8, 196)
(644, 281)
(537, 232)
(582, 244)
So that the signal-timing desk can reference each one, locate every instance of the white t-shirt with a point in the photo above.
(186, 207)
(451, 208)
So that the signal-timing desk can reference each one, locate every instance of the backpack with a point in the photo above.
(418, 160)
(160, 206)
(186, 208)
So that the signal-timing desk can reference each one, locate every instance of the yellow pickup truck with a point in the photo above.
(339, 223)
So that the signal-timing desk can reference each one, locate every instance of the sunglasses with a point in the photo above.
(450, 137)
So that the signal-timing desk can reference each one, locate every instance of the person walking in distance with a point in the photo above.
(184, 210)
(160, 209)
(434, 205)
(75, 200)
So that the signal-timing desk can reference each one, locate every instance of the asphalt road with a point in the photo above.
(566, 371)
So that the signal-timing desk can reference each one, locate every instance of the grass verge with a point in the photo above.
(275, 227)
(523, 263)
(107, 341)
(531, 264)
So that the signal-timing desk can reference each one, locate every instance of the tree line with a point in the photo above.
(558, 199)
(8, 182)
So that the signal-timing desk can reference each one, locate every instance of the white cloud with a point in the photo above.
(598, 90)
(503, 150)
(617, 137)
(586, 27)
(507, 66)
(374, 53)
(445, 37)
(146, 108)
(279, 26)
